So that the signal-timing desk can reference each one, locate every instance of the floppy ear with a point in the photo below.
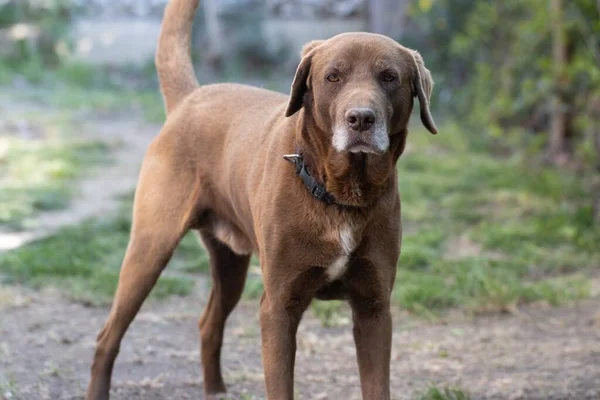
(423, 85)
(300, 84)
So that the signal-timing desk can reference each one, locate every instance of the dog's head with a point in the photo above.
(359, 88)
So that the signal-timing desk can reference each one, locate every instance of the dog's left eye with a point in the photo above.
(333, 77)
(388, 77)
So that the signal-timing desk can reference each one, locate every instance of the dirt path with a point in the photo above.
(98, 192)
(46, 345)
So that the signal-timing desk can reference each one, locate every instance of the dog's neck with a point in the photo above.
(354, 179)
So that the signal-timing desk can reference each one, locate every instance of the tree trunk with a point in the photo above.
(560, 118)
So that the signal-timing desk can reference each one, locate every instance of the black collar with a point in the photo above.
(314, 187)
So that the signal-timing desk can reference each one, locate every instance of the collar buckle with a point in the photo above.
(293, 158)
(311, 184)
(317, 192)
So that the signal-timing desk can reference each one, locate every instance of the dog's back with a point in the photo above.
(217, 126)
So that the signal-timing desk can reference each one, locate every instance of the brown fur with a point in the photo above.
(217, 167)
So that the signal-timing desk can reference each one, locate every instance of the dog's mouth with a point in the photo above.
(361, 146)
(373, 141)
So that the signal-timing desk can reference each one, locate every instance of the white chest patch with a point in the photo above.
(347, 244)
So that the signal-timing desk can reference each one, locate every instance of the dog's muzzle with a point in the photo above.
(361, 132)
(374, 140)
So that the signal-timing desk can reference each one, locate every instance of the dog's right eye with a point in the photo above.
(333, 77)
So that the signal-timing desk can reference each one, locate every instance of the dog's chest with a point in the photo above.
(347, 239)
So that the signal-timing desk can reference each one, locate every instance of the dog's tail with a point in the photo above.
(173, 59)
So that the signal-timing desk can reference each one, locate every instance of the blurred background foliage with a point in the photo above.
(501, 65)
(35, 35)
(507, 68)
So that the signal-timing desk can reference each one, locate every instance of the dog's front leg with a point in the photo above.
(373, 339)
(279, 321)
(369, 284)
(288, 292)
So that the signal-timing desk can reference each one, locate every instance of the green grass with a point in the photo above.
(448, 393)
(481, 232)
(38, 174)
(85, 260)
(98, 101)
(328, 312)
(254, 288)
(77, 87)
(489, 233)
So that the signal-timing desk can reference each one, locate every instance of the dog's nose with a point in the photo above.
(360, 119)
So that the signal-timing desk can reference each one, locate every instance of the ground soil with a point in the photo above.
(47, 341)
(46, 345)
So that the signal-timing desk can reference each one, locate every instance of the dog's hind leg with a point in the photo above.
(163, 208)
(228, 271)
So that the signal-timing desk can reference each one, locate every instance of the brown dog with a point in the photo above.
(333, 232)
